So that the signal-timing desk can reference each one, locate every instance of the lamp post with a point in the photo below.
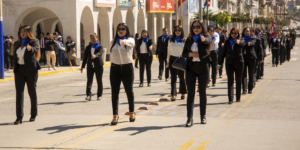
(1, 44)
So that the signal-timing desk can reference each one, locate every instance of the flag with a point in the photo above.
(206, 4)
(272, 30)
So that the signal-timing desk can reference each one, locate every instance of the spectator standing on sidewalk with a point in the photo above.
(72, 55)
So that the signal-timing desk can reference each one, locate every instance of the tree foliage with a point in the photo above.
(220, 18)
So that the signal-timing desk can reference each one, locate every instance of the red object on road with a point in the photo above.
(143, 108)
(153, 103)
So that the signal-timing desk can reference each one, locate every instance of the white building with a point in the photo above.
(80, 18)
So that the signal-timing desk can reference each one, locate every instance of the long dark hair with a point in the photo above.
(136, 36)
(116, 36)
(174, 35)
(236, 30)
(30, 37)
(250, 29)
(204, 32)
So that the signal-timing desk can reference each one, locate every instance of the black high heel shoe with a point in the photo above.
(203, 120)
(189, 122)
(115, 123)
(32, 119)
(131, 119)
(18, 121)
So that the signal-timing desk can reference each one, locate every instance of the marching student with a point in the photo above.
(282, 48)
(43, 52)
(258, 47)
(250, 58)
(275, 47)
(213, 55)
(144, 53)
(264, 45)
(93, 59)
(135, 56)
(288, 47)
(121, 70)
(27, 55)
(196, 51)
(175, 48)
(161, 53)
(233, 50)
(223, 38)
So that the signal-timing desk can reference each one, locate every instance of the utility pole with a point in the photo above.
(207, 13)
(200, 10)
(176, 11)
(1, 44)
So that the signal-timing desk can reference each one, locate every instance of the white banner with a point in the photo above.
(105, 3)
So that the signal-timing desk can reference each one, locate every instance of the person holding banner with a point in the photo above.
(196, 51)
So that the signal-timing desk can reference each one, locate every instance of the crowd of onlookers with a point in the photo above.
(53, 51)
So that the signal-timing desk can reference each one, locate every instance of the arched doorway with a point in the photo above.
(117, 18)
(104, 28)
(87, 26)
(130, 21)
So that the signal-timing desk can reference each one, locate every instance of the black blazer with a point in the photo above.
(282, 39)
(30, 62)
(71, 46)
(250, 52)
(234, 55)
(258, 47)
(275, 45)
(222, 40)
(162, 47)
(98, 62)
(202, 50)
(148, 44)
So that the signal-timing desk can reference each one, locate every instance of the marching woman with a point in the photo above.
(175, 48)
(282, 48)
(121, 70)
(93, 59)
(233, 51)
(288, 47)
(258, 47)
(275, 42)
(144, 52)
(196, 51)
(27, 55)
(250, 58)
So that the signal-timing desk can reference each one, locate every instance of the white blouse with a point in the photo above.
(143, 48)
(120, 54)
(194, 49)
(92, 51)
(20, 54)
(174, 49)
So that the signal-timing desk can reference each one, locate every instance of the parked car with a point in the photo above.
(285, 28)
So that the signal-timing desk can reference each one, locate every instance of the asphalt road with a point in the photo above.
(268, 119)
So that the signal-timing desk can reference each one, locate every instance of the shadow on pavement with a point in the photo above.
(61, 103)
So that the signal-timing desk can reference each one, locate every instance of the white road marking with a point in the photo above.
(293, 52)
(293, 59)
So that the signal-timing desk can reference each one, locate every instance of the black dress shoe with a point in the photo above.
(203, 120)
(99, 98)
(238, 100)
(221, 76)
(141, 85)
(230, 102)
(250, 92)
(32, 119)
(182, 97)
(115, 123)
(159, 78)
(189, 122)
(131, 119)
(244, 92)
(149, 84)
(167, 79)
(19, 120)
(213, 85)
(173, 99)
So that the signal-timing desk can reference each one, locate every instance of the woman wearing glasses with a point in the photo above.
(175, 47)
(121, 70)
(249, 59)
(144, 52)
(196, 50)
(233, 51)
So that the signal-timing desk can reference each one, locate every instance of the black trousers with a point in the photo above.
(236, 69)
(282, 54)
(121, 73)
(262, 67)
(90, 77)
(250, 65)
(213, 65)
(162, 63)
(11, 59)
(174, 73)
(256, 71)
(145, 60)
(136, 61)
(200, 71)
(288, 54)
(221, 68)
(275, 56)
(22, 77)
(6, 60)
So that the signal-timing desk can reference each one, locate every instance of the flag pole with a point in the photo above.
(207, 13)
(176, 11)
(181, 12)
(1, 45)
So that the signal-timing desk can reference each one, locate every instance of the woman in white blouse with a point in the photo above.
(144, 52)
(175, 47)
(27, 55)
(121, 70)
